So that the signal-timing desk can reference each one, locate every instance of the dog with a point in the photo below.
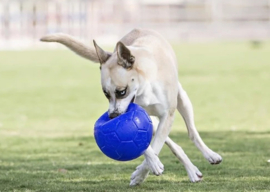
(143, 69)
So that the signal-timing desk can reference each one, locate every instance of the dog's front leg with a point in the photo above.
(185, 108)
(194, 173)
(152, 162)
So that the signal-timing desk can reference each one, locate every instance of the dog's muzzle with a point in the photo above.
(113, 115)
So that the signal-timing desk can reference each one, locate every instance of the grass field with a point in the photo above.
(50, 100)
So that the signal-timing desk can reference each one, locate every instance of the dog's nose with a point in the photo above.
(113, 115)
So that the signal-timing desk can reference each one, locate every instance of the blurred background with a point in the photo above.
(23, 22)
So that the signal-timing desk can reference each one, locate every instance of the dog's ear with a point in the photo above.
(125, 58)
(103, 56)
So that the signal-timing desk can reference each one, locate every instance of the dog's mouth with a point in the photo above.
(133, 99)
(116, 113)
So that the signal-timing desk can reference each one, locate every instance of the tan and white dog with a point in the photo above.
(143, 69)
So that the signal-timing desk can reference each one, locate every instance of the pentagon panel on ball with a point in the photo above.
(125, 137)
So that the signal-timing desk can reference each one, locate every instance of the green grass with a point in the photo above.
(50, 100)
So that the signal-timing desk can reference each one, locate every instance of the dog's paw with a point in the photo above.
(155, 165)
(213, 157)
(139, 175)
(194, 174)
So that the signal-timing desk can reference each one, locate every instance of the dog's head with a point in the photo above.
(118, 78)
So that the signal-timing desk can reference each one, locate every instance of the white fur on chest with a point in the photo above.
(151, 98)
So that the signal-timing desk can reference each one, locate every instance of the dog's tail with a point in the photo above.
(74, 44)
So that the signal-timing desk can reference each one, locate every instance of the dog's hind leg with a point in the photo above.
(185, 108)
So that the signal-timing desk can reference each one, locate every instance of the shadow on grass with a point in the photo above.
(76, 164)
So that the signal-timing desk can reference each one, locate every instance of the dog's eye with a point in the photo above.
(120, 93)
(106, 94)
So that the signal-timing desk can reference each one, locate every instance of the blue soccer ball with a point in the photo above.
(125, 137)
